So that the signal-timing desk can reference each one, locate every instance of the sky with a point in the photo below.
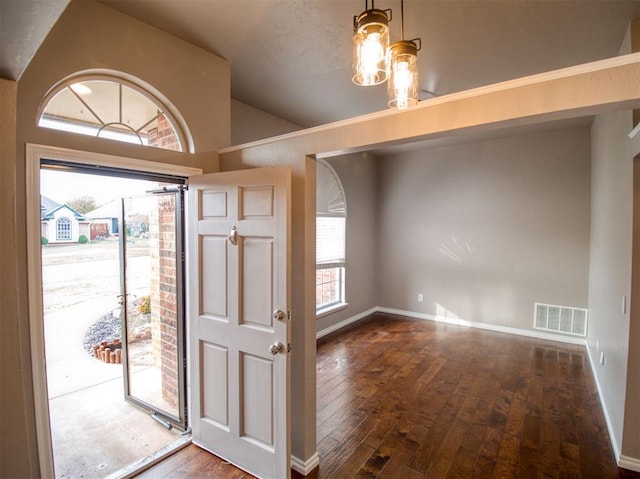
(62, 186)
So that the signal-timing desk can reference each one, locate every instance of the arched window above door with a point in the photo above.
(113, 108)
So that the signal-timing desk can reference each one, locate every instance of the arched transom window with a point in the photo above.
(112, 108)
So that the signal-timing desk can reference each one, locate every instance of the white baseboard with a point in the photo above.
(345, 323)
(487, 326)
(605, 411)
(305, 467)
(451, 320)
(630, 463)
(626, 462)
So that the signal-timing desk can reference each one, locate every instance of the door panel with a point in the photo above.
(214, 278)
(214, 380)
(257, 399)
(238, 261)
(257, 282)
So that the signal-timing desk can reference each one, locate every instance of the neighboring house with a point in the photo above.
(104, 220)
(60, 223)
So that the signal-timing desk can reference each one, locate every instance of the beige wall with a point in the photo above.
(486, 229)
(18, 454)
(250, 124)
(614, 274)
(631, 431)
(610, 263)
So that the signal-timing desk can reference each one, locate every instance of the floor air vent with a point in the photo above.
(560, 319)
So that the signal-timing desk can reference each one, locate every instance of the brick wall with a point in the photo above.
(164, 307)
(163, 136)
(168, 299)
(154, 255)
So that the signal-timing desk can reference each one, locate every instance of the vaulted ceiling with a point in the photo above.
(292, 58)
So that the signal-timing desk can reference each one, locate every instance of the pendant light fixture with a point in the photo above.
(402, 89)
(370, 45)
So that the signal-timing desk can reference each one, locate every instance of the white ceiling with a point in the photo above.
(292, 58)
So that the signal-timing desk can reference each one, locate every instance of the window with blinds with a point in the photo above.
(331, 219)
(330, 234)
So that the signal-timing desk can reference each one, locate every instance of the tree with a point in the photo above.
(83, 205)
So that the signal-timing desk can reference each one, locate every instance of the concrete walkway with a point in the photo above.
(69, 367)
(95, 432)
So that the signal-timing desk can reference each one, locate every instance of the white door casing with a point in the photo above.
(34, 155)
(238, 276)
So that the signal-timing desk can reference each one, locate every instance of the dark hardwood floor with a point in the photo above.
(404, 398)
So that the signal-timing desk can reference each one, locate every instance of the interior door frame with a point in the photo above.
(34, 154)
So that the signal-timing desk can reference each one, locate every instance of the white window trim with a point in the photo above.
(327, 310)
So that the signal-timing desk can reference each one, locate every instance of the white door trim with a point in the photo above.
(34, 153)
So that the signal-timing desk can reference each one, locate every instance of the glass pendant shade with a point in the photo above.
(370, 44)
(402, 89)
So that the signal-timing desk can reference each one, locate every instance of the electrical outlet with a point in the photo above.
(602, 358)
(420, 298)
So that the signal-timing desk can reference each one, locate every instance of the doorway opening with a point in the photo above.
(113, 323)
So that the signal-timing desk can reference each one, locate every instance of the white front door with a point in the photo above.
(238, 303)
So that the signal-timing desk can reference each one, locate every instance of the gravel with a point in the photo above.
(107, 328)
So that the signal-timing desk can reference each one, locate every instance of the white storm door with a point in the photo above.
(238, 271)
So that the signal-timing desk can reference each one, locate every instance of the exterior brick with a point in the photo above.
(163, 135)
(164, 294)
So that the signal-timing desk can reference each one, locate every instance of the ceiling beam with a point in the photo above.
(582, 90)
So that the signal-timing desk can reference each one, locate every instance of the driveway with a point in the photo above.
(73, 274)
(81, 282)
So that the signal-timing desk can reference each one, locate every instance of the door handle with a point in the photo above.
(280, 315)
(233, 236)
(276, 348)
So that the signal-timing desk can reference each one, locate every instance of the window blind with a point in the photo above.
(330, 235)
